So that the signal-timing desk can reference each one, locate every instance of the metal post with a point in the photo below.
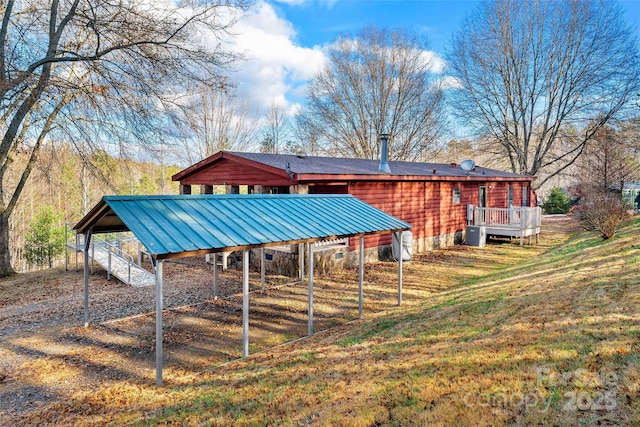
(75, 249)
(215, 275)
(400, 272)
(66, 247)
(262, 267)
(108, 262)
(361, 278)
(301, 261)
(245, 303)
(87, 239)
(310, 262)
(93, 255)
(159, 322)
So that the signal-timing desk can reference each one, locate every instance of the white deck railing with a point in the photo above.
(518, 217)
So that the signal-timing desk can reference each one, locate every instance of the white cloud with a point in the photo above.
(275, 66)
(436, 63)
(450, 82)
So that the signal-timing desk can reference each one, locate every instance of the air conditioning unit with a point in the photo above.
(476, 235)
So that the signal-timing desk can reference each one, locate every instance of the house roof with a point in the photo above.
(634, 185)
(178, 226)
(312, 168)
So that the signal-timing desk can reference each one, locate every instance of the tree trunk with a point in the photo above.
(5, 255)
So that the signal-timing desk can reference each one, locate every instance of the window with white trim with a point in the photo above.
(456, 195)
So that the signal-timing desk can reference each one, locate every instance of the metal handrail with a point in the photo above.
(118, 251)
(134, 244)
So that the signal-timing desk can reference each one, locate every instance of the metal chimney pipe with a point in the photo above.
(384, 154)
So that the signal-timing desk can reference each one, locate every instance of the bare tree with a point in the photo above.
(304, 140)
(276, 129)
(380, 81)
(97, 73)
(542, 77)
(608, 162)
(218, 120)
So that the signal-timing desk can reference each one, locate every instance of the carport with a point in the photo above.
(188, 225)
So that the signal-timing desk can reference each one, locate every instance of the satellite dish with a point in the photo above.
(467, 165)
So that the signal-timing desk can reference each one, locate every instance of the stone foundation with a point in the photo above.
(438, 242)
(285, 260)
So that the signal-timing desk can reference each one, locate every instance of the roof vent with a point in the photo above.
(287, 168)
(384, 153)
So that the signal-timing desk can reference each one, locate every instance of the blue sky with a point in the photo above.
(317, 23)
(284, 41)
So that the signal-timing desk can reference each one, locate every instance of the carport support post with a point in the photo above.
(310, 262)
(301, 261)
(361, 278)
(400, 270)
(87, 242)
(262, 267)
(158, 322)
(245, 303)
(215, 275)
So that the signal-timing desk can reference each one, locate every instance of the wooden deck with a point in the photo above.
(516, 221)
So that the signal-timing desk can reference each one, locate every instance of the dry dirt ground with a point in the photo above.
(46, 353)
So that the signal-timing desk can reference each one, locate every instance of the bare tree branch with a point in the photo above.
(125, 64)
(529, 69)
(379, 81)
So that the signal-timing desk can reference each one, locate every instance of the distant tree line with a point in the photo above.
(545, 88)
(63, 186)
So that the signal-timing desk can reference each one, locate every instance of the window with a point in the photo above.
(525, 195)
(509, 196)
(456, 195)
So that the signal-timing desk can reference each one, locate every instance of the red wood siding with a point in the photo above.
(234, 173)
(427, 206)
(497, 194)
(518, 189)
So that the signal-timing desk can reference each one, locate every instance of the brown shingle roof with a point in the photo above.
(346, 166)
(311, 168)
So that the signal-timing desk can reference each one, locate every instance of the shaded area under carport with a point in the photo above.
(182, 226)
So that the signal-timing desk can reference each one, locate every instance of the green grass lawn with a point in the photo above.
(547, 334)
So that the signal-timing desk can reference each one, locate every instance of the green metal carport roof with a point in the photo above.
(186, 225)
(178, 226)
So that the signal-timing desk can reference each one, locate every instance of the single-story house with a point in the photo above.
(432, 197)
(631, 194)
